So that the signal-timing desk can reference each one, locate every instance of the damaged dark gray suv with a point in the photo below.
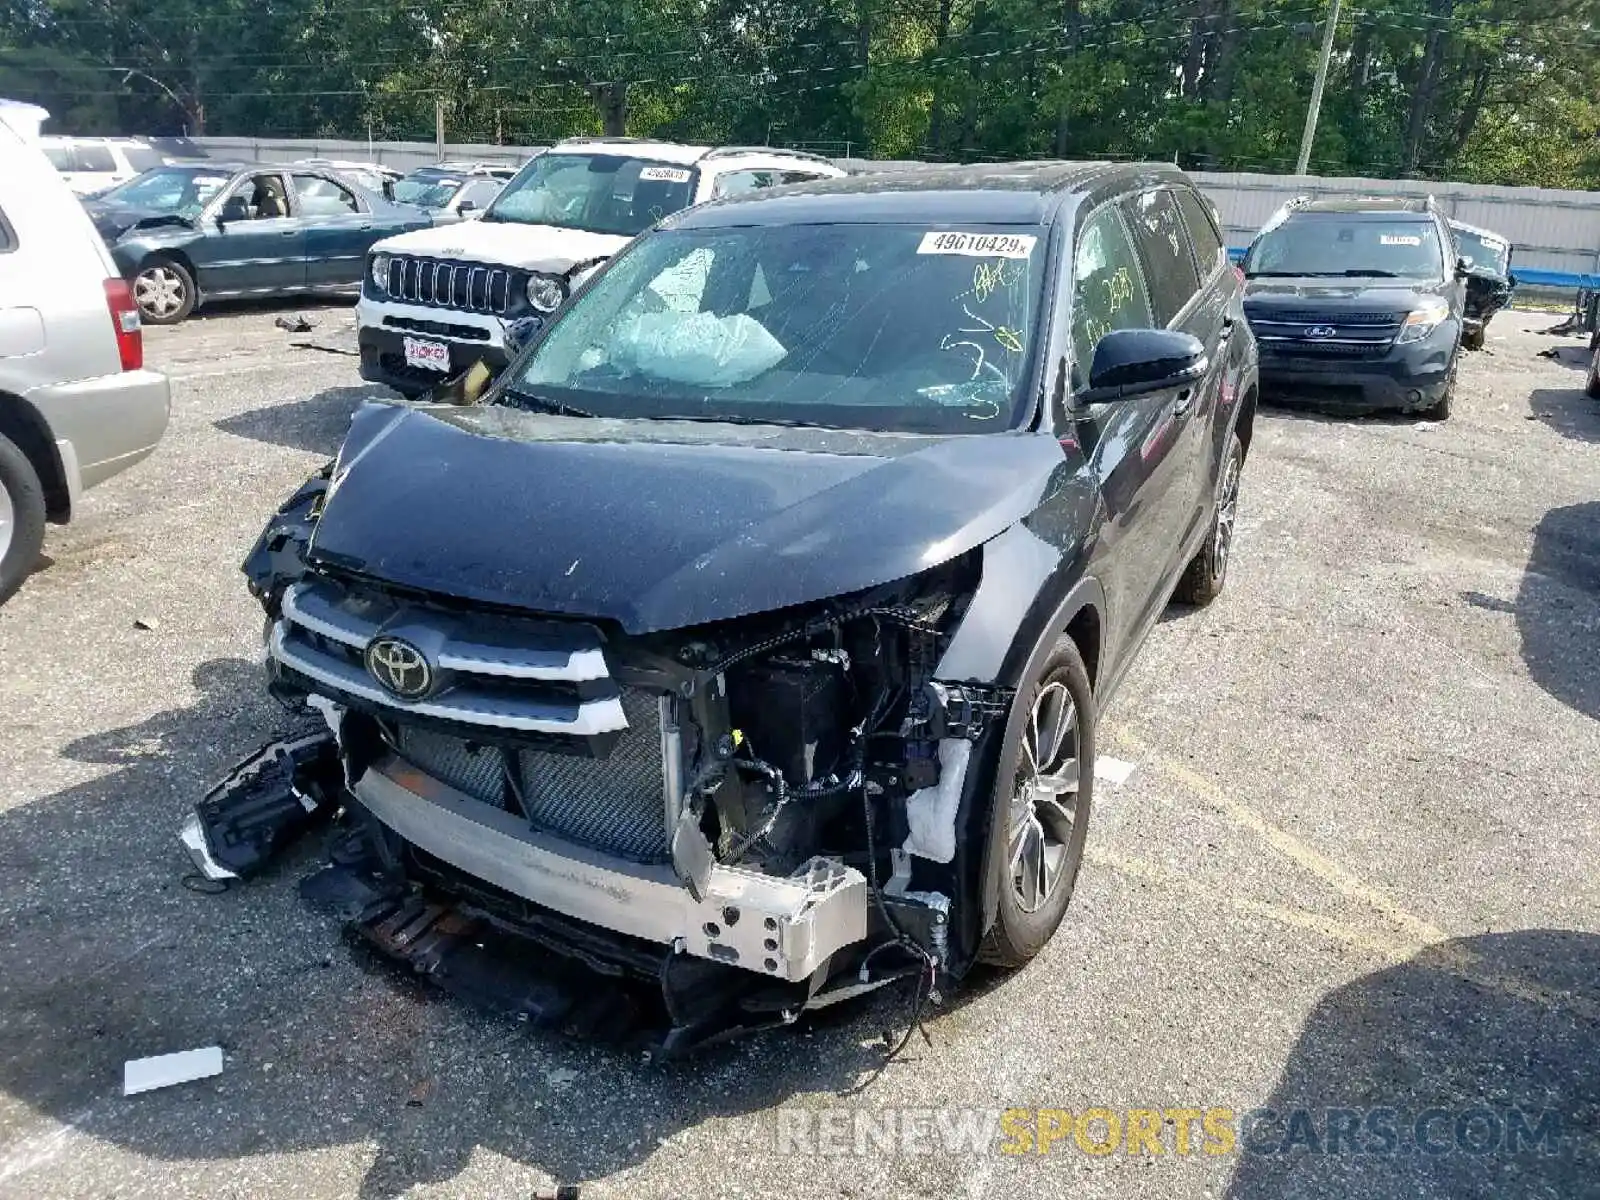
(743, 648)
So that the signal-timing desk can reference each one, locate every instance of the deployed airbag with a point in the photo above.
(701, 348)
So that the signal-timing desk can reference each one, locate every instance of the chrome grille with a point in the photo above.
(442, 284)
(1354, 335)
(514, 676)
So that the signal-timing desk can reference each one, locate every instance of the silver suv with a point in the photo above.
(76, 404)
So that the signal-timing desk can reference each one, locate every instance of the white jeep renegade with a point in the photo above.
(435, 301)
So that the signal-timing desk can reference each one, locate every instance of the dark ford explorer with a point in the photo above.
(747, 641)
(1357, 304)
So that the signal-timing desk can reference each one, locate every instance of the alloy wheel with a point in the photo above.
(159, 291)
(1044, 805)
(1227, 509)
(8, 521)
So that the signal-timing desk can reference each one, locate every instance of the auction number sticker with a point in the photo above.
(979, 245)
(666, 174)
(1399, 239)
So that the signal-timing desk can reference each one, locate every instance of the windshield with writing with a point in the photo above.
(596, 193)
(1337, 244)
(182, 192)
(872, 326)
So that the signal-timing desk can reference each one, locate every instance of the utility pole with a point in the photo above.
(1313, 112)
(438, 123)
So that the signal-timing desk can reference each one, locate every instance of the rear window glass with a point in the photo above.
(1337, 245)
(1164, 245)
(141, 159)
(1202, 231)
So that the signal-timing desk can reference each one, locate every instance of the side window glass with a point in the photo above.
(8, 240)
(321, 197)
(1108, 289)
(263, 198)
(1208, 247)
(479, 194)
(1164, 247)
(95, 158)
(735, 182)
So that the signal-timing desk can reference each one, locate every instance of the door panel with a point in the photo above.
(263, 252)
(1168, 255)
(1129, 444)
(338, 233)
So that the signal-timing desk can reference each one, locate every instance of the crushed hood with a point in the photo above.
(503, 244)
(111, 221)
(660, 525)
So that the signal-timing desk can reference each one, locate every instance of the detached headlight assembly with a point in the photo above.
(546, 293)
(378, 268)
(1420, 322)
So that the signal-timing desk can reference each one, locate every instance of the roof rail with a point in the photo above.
(732, 151)
(619, 141)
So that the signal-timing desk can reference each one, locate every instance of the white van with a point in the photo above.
(76, 404)
(436, 301)
(91, 165)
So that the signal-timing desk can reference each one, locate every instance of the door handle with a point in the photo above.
(288, 233)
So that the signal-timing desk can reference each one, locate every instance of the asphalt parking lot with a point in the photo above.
(1353, 867)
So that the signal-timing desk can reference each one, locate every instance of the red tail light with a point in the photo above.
(125, 321)
(1238, 272)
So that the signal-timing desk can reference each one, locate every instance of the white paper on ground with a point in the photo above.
(1112, 770)
(164, 1070)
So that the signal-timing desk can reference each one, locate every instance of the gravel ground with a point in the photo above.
(1354, 866)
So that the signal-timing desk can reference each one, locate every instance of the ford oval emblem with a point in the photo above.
(1321, 331)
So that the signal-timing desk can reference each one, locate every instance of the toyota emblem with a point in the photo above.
(399, 667)
(1321, 331)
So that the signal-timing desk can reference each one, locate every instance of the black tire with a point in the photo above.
(1440, 411)
(168, 293)
(1020, 931)
(21, 518)
(1207, 572)
(1591, 386)
(1473, 339)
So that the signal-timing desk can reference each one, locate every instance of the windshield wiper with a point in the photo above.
(543, 403)
(1351, 273)
(1370, 272)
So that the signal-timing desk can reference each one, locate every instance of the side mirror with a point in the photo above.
(1463, 267)
(1511, 280)
(1135, 362)
(467, 206)
(234, 208)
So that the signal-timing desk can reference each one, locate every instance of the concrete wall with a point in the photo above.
(1556, 234)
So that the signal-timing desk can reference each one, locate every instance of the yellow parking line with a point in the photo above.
(1423, 935)
(1299, 851)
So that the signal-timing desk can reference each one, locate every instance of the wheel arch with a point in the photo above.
(22, 423)
(1075, 609)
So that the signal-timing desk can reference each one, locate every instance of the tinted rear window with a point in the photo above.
(1208, 250)
(1164, 246)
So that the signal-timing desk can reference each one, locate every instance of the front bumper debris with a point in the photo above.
(267, 801)
(782, 928)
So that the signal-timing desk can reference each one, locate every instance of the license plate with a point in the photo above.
(430, 356)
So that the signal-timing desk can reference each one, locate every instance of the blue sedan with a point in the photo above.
(189, 233)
